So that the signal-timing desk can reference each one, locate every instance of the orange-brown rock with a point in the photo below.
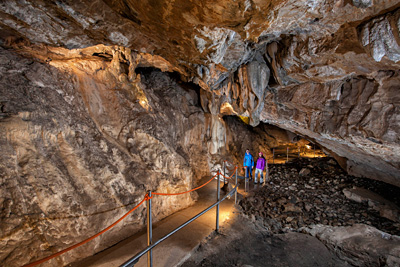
(86, 118)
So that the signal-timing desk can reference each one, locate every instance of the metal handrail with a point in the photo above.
(132, 261)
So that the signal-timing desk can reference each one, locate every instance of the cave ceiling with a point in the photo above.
(326, 70)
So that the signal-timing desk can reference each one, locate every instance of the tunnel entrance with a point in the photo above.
(289, 152)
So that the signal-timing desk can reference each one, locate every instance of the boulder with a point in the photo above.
(360, 245)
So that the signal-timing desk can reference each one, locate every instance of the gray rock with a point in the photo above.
(360, 244)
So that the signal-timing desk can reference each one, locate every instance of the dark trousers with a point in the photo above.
(249, 171)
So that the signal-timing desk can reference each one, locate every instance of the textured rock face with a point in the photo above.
(360, 245)
(240, 52)
(81, 144)
(326, 70)
(357, 116)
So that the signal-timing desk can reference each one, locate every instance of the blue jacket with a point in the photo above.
(248, 160)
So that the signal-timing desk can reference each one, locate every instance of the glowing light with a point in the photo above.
(308, 147)
(245, 119)
(226, 108)
(143, 102)
(224, 216)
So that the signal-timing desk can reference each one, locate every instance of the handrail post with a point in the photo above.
(149, 231)
(314, 150)
(236, 186)
(224, 171)
(273, 156)
(246, 179)
(218, 197)
(287, 154)
(266, 173)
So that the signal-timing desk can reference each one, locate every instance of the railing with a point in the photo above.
(150, 245)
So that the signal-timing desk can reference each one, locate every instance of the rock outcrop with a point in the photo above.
(86, 118)
(359, 232)
(359, 245)
(340, 56)
(82, 142)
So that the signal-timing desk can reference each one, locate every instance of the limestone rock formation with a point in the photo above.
(83, 109)
(81, 143)
(242, 51)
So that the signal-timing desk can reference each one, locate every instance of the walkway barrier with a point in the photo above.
(150, 245)
(86, 240)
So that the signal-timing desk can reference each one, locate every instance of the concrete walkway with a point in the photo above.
(177, 248)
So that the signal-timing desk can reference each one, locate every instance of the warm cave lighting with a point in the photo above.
(312, 152)
(143, 102)
(225, 216)
(227, 109)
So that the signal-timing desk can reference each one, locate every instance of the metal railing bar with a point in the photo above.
(132, 261)
(149, 231)
(218, 197)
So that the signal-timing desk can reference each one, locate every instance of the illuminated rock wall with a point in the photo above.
(82, 141)
(80, 126)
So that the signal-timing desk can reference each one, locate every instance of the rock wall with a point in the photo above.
(338, 90)
(71, 108)
(82, 139)
(356, 119)
(240, 52)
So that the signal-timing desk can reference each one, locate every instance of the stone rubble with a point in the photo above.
(294, 198)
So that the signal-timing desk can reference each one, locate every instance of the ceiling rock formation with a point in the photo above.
(81, 97)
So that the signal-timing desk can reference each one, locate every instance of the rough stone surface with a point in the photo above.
(290, 201)
(356, 232)
(80, 149)
(73, 111)
(327, 69)
(385, 208)
(360, 245)
(246, 243)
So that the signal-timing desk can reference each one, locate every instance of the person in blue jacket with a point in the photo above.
(248, 162)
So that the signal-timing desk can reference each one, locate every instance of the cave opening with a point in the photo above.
(175, 77)
(305, 175)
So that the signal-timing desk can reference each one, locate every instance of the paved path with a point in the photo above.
(177, 248)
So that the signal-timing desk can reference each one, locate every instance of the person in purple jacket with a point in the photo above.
(260, 166)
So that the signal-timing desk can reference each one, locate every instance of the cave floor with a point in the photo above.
(245, 243)
(177, 248)
(241, 241)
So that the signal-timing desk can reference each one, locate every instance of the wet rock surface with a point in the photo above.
(292, 199)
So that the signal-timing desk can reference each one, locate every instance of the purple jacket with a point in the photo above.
(260, 163)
